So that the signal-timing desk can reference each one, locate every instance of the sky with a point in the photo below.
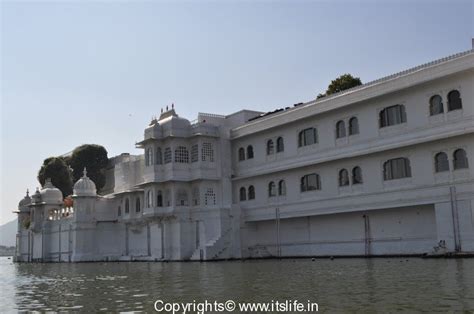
(76, 72)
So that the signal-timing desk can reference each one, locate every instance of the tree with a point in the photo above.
(58, 171)
(94, 158)
(341, 83)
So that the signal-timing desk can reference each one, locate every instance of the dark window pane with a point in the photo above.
(353, 126)
(460, 159)
(454, 100)
(436, 105)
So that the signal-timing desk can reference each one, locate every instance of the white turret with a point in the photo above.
(85, 186)
(23, 204)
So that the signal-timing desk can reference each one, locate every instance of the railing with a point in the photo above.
(63, 213)
(211, 115)
(374, 82)
(397, 74)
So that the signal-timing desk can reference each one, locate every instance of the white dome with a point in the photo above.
(175, 121)
(173, 125)
(85, 186)
(36, 198)
(51, 194)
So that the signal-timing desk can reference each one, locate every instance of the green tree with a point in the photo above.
(58, 171)
(341, 83)
(94, 158)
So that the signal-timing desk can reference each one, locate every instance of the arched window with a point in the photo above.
(343, 177)
(310, 182)
(249, 152)
(182, 197)
(181, 155)
(242, 194)
(271, 189)
(396, 169)
(307, 137)
(158, 156)
(168, 157)
(356, 175)
(149, 157)
(436, 105)
(340, 129)
(119, 211)
(353, 126)
(441, 162)
(280, 145)
(454, 100)
(127, 206)
(159, 199)
(282, 187)
(196, 196)
(149, 199)
(138, 207)
(392, 115)
(270, 147)
(251, 192)
(460, 159)
(241, 154)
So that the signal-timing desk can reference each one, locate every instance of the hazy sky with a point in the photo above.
(95, 72)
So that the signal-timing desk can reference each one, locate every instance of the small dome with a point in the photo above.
(36, 198)
(23, 204)
(85, 186)
(172, 124)
(51, 194)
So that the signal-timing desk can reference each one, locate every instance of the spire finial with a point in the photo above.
(27, 192)
(84, 172)
(166, 107)
(172, 105)
(161, 110)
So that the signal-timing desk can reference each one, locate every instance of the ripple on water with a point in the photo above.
(342, 285)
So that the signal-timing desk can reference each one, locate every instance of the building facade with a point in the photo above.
(385, 168)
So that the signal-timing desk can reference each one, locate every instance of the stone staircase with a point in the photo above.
(214, 248)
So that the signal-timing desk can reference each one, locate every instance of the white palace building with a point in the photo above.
(385, 168)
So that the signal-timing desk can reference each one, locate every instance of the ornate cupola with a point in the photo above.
(168, 124)
(85, 186)
(36, 198)
(173, 125)
(23, 205)
(50, 194)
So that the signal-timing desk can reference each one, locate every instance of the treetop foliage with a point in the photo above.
(64, 171)
(340, 84)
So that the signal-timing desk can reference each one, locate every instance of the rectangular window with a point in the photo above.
(210, 197)
(167, 155)
(307, 137)
(196, 196)
(397, 168)
(181, 155)
(310, 182)
(195, 153)
(207, 152)
(392, 115)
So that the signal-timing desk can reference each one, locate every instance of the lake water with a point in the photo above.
(342, 285)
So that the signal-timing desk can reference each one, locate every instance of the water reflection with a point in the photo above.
(369, 285)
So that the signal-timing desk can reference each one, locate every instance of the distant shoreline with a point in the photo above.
(7, 251)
